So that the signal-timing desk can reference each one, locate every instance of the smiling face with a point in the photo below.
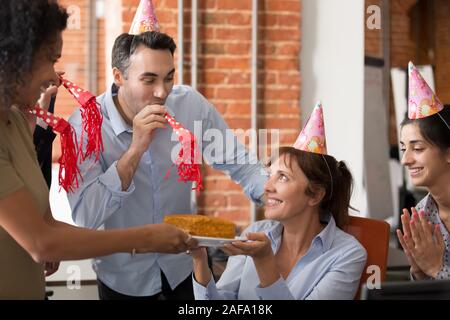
(426, 163)
(285, 191)
(42, 74)
(148, 80)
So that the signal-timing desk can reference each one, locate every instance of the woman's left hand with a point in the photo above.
(258, 247)
(427, 244)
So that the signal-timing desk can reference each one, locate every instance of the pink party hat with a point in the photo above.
(144, 19)
(312, 137)
(422, 102)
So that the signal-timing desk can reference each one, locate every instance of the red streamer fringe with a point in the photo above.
(92, 124)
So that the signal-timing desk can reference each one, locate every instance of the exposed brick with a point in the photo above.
(267, 48)
(209, 18)
(237, 200)
(287, 123)
(234, 34)
(282, 63)
(233, 93)
(207, 62)
(209, 77)
(236, 108)
(290, 49)
(268, 20)
(280, 94)
(268, 108)
(234, 5)
(268, 77)
(239, 19)
(238, 48)
(288, 138)
(289, 20)
(283, 5)
(289, 79)
(233, 63)
(283, 35)
(207, 32)
(213, 201)
(239, 78)
(168, 4)
(220, 184)
(238, 123)
(233, 215)
(289, 108)
(213, 48)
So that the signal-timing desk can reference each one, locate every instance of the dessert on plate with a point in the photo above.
(204, 226)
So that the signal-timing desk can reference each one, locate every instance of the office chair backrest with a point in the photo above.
(374, 237)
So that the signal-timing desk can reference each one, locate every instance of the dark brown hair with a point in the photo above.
(433, 128)
(317, 168)
(126, 45)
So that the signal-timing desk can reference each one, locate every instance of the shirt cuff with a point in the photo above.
(111, 180)
(204, 293)
(276, 291)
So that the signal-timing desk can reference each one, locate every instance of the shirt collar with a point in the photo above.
(117, 122)
(429, 201)
(328, 233)
(324, 238)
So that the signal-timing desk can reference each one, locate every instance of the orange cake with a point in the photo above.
(204, 226)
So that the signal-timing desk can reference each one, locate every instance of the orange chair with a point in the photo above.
(374, 237)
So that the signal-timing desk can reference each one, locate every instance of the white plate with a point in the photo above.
(215, 242)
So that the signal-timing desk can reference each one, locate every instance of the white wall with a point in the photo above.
(113, 26)
(68, 270)
(332, 67)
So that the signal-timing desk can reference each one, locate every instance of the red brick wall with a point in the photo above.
(442, 49)
(403, 47)
(101, 63)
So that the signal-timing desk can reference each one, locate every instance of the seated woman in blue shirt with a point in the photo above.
(300, 252)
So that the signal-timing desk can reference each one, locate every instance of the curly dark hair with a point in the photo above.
(25, 27)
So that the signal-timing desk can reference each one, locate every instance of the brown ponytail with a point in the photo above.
(324, 171)
(342, 192)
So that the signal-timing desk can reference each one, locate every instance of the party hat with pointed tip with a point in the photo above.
(422, 101)
(144, 19)
(312, 137)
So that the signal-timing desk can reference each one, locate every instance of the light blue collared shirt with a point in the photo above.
(99, 202)
(330, 269)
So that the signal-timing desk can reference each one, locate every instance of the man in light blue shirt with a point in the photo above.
(128, 186)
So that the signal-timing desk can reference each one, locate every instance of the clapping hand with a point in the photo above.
(423, 244)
